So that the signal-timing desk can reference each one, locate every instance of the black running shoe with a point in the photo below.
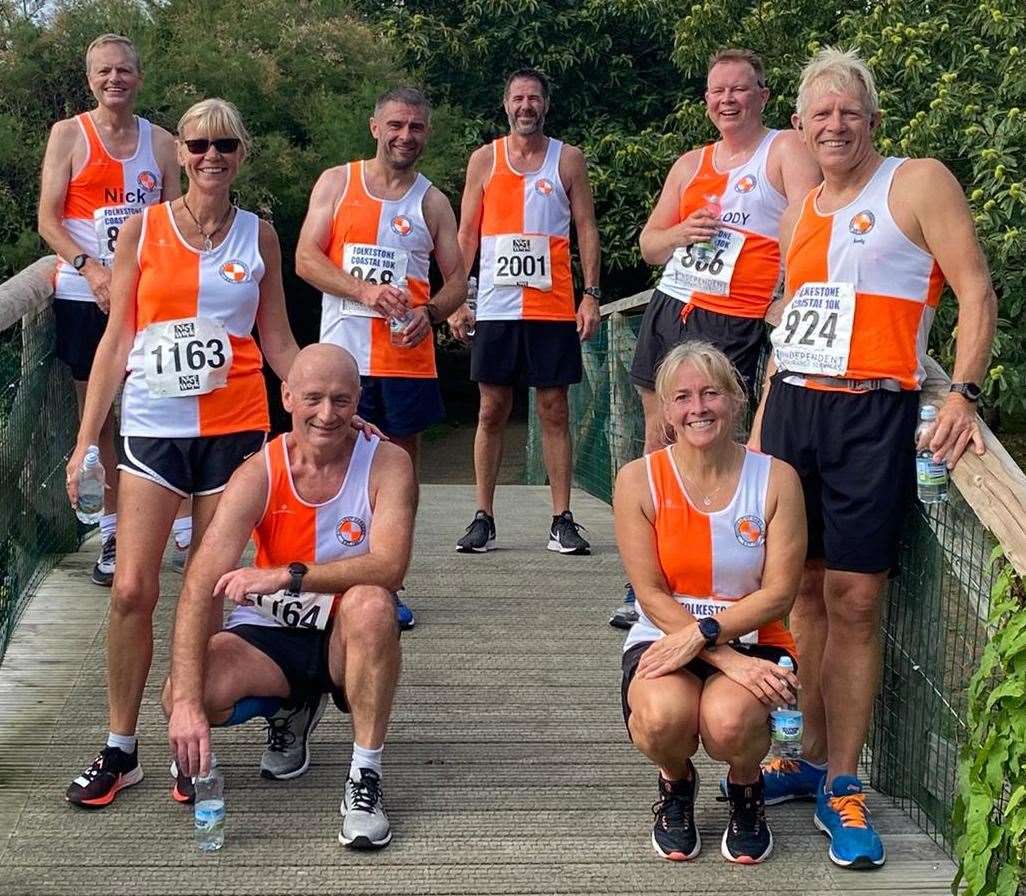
(480, 535)
(674, 835)
(565, 535)
(103, 571)
(111, 772)
(747, 839)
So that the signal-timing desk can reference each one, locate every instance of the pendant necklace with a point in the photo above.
(706, 499)
(208, 238)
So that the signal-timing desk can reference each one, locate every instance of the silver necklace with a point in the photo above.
(706, 499)
(208, 238)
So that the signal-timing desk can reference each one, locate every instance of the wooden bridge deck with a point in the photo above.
(507, 770)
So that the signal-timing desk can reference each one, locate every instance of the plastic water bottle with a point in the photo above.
(472, 303)
(786, 724)
(931, 477)
(397, 325)
(92, 480)
(209, 810)
(705, 250)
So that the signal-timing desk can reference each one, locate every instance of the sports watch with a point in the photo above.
(296, 573)
(969, 391)
(594, 292)
(79, 261)
(710, 630)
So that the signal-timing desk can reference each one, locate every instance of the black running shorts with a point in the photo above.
(198, 466)
(855, 455)
(539, 353)
(79, 328)
(401, 406)
(665, 324)
(697, 667)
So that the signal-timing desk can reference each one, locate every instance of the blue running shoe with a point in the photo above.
(842, 815)
(403, 615)
(787, 779)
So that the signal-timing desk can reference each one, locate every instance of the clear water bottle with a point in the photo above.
(209, 810)
(472, 303)
(931, 477)
(786, 724)
(397, 325)
(92, 479)
(705, 250)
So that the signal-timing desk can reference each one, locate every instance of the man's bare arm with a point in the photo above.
(166, 151)
(472, 204)
(793, 170)
(442, 224)
(664, 231)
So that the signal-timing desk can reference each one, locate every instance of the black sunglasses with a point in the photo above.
(224, 145)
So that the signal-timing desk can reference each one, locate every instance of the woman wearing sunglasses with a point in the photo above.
(190, 279)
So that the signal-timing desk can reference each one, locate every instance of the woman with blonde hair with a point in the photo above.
(712, 536)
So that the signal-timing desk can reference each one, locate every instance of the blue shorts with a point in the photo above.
(401, 406)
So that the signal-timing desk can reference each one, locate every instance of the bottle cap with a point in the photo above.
(785, 662)
(927, 412)
(92, 456)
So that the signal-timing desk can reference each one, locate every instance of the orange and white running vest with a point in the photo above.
(742, 274)
(101, 197)
(379, 240)
(292, 530)
(525, 242)
(863, 296)
(195, 369)
(710, 560)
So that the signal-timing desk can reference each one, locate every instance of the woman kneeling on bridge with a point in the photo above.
(712, 535)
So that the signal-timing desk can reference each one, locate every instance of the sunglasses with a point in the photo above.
(224, 145)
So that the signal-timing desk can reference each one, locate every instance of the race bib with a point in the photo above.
(107, 223)
(814, 334)
(702, 269)
(522, 260)
(191, 356)
(304, 610)
(704, 607)
(375, 264)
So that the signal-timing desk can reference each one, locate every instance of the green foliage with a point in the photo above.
(990, 809)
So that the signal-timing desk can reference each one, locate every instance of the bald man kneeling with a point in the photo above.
(331, 513)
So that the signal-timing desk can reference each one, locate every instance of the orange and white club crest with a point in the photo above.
(862, 222)
(750, 531)
(746, 184)
(351, 530)
(543, 186)
(401, 225)
(234, 272)
(147, 180)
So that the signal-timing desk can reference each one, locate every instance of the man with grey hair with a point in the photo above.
(100, 167)
(369, 234)
(866, 257)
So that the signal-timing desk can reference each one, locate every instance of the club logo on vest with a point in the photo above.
(234, 272)
(543, 187)
(147, 180)
(351, 531)
(750, 531)
(401, 225)
(746, 184)
(862, 223)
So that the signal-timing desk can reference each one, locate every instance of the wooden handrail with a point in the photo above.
(27, 291)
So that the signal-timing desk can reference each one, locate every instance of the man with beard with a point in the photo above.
(372, 226)
(521, 193)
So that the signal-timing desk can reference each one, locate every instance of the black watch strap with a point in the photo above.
(969, 391)
(594, 292)
(79, 261)
(296, 573)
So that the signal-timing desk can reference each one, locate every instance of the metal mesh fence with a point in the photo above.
(38, 421)
(933, 613)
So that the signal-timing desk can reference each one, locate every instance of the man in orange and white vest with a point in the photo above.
(100, 168)
(866, 256)
(372, 225)
(522, 191)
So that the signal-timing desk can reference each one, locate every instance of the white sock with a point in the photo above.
(124, 742)
(365, 759)
(108, 525)
(182, 530)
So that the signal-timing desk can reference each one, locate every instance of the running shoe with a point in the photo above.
(842, 815)
(110, 773)
(288, 739)
(747, 839)
(787, 779)
(674, 835)
(403, 615)
(565, 535)
(480, 535)
(364, 822)
(184, 789)
(103, 571)
(625, 615)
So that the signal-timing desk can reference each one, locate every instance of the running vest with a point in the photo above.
(101, 197)
(293, 531)
(525, 242)
(379, 240)
(195, 369)
(863, 296)
(742, 274)
(710, 560)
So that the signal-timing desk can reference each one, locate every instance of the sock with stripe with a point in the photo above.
(108, 525)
